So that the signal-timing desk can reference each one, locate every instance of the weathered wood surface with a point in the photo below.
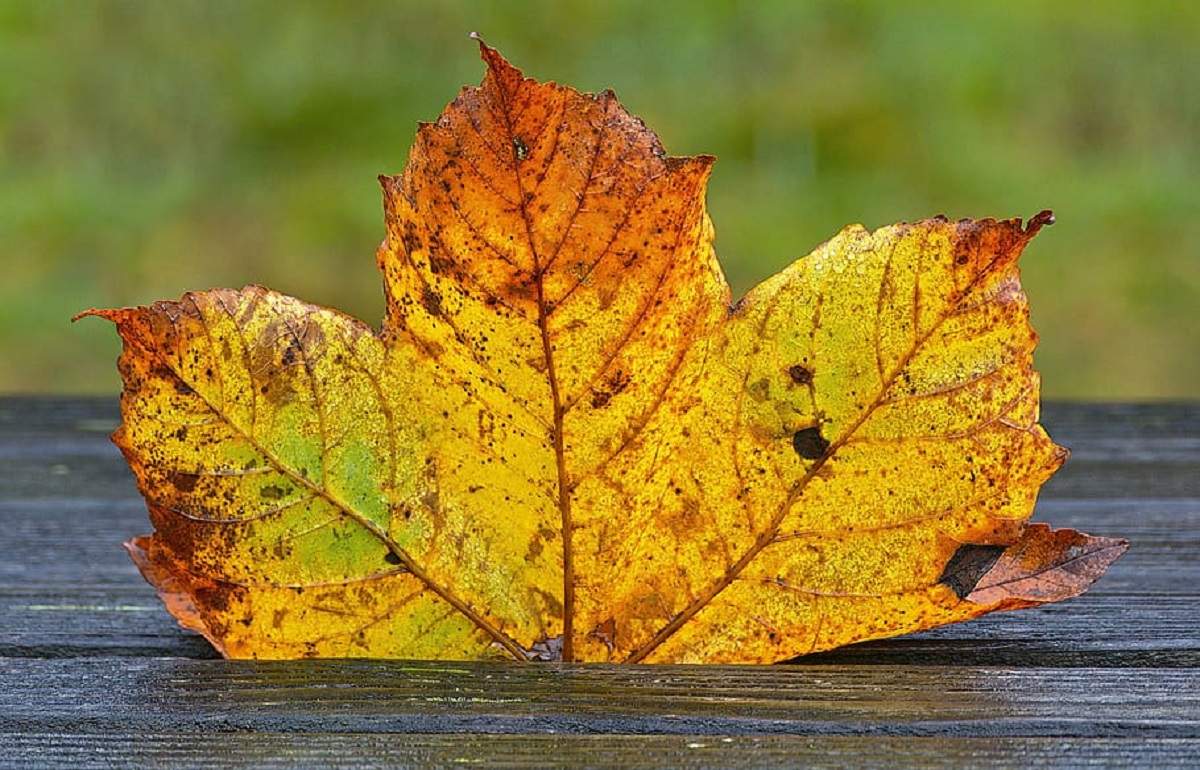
(93, 672)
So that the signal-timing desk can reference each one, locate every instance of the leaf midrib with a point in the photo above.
(559, 409)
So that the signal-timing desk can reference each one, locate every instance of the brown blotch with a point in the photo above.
(272, 492)
(431, 301)
(184, 482)
(410, 242)
(520, 149)
(800, 375)
(613, 384)
(967, 567)
(760, 389)
(292, 353)
(537, 363)
(552, 603)
(441, 265)
(521, 287)
(217, 599)
(809, 443)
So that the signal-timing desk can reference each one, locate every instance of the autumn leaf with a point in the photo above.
(566, 443)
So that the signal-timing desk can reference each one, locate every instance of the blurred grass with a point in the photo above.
(151, 148)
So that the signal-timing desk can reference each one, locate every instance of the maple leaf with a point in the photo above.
(565, 443)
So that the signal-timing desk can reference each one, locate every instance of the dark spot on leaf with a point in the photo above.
(291, 354)
(272, 492)
(613, 384)
(439, 264)
(184, 482)
(799, 374)
(967, 566)
(520, 287)
(392, 558)
(218, 599)
(809, 443)
(431, 301)
(520, 149)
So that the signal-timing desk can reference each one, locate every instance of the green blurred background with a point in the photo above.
(149, 148)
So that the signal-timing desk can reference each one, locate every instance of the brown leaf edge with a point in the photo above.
(175, 595)
(1044, 565)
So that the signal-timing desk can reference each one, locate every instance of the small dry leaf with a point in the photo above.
(565, 442)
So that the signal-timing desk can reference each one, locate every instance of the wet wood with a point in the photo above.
(93, 672)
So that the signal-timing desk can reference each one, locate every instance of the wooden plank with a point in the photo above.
(1126, 452)
(168, 695)
(267, 750)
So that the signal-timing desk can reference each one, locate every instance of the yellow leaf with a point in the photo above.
(565, 443)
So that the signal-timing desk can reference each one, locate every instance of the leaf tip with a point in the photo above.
(95, 311)
(1043, 218)
(494, 60)
(484, 48)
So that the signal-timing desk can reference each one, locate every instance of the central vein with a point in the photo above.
(540, 266)
(560, 460)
